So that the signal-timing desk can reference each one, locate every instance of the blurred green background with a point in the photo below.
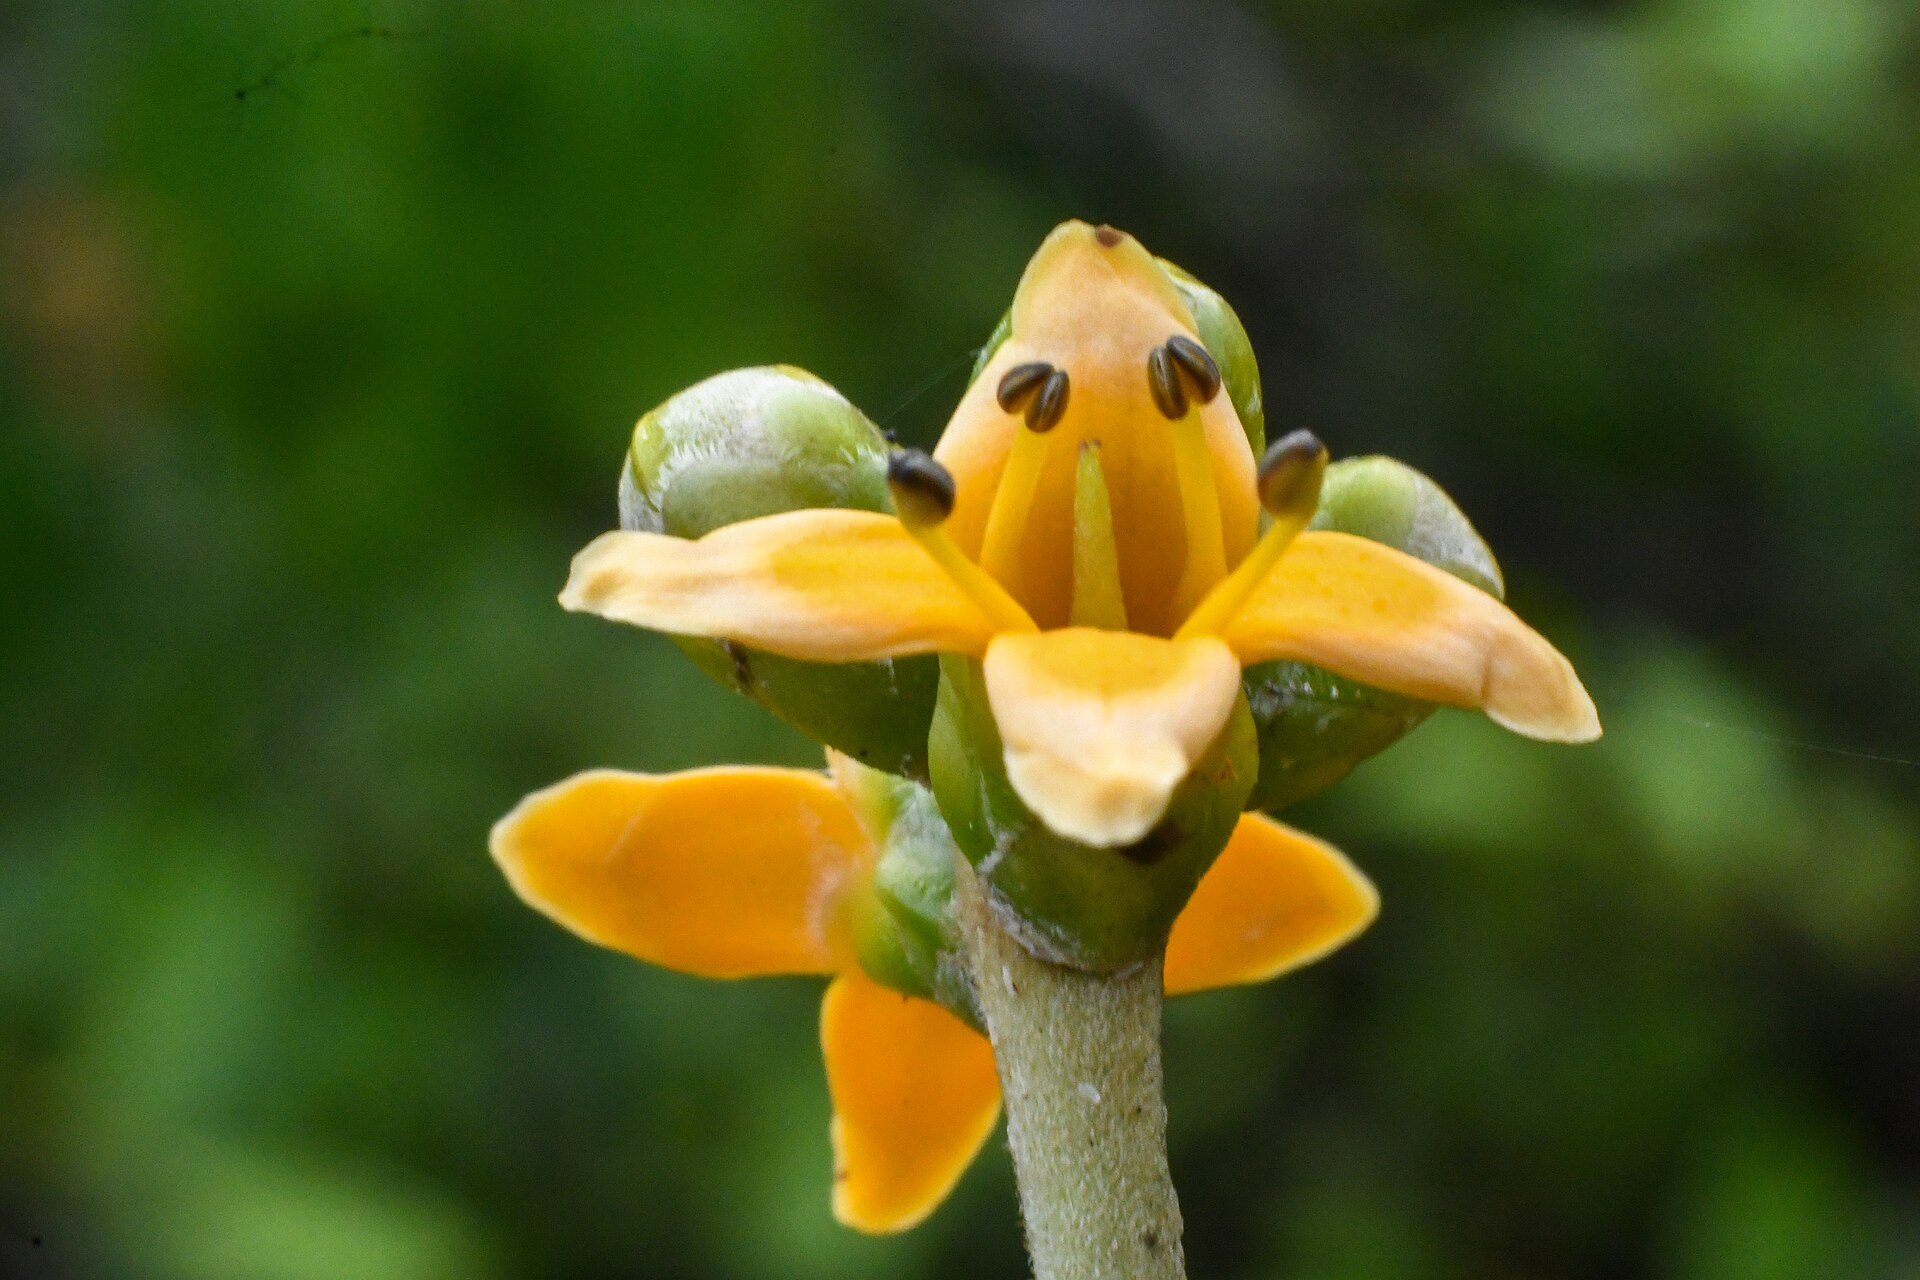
(322, 326)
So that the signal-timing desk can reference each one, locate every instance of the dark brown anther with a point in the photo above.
(1163, 380)
(1109, 237)
(922, 489)
(1019, 383)
(1199, 367)
(1045, 410)
(1290, 475)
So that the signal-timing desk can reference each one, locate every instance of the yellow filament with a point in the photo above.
(1001, 609)
(1199, 512)
(1007, 521)
(1097, 600)
(1214, 614)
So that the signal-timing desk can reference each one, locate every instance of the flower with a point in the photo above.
(737, 871)
(1089, 530)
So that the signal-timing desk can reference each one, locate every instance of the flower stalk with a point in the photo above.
(1079, 1061)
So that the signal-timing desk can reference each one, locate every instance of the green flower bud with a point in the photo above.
(754, 442)
(1069, 903)
(1221, 332)
(1315, 726)
(904, 928)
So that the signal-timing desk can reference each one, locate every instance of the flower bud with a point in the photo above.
(904, 929)
(754, 442)
(1315, 726)
(1066, 902)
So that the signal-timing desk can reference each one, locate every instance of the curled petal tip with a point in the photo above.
(724, 872)
(1100, 727)
(1103, 803)
(915, 1097)
(1372, 614)
(1539, 696)
(1275, 899)
(592, 575)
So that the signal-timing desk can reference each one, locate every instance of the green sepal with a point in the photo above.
(905, 933)
(1001, 332)
(1070, 903)
(1221, 333)
(755, 442)
(1388, 501)
(1315, 726)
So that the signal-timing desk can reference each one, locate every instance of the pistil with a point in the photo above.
(1097, 598)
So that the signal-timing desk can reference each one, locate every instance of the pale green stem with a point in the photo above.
(1079, 1060)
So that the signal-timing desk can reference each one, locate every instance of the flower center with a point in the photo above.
(1101, 352)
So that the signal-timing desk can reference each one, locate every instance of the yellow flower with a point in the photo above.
(1089, 529)
(739, 872)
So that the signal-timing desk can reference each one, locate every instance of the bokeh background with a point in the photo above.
(322, 326)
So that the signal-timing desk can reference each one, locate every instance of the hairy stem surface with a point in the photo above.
(1079, 1060)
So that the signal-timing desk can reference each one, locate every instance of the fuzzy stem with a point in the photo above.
(1079, 1059)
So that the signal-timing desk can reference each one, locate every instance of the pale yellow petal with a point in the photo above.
(724, 873)
(1273, 900)
(826, 585)
(1099, 727)
(914, 1099)
(1376, 615)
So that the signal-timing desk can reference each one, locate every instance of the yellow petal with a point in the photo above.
(914, 1098)
(1096, 309)
(826, 585)
(1099, 727)
(724, 873)
(1273, 900)
(1376, 615)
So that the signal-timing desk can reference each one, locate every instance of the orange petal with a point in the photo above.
(724, 873)
(1099, 727)
(914, 1098)
(1273, 900)
(1376, 615)
(826, 585)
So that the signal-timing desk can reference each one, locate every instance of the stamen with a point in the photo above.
(922, 489)
(1006, 520)
(1163, 380)
(1045, 410)
(1170, 377)
(1291, 473)
(1097, 598)
(1197, 365)
(1019, 383)
(923, 494)
(1290, 477)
